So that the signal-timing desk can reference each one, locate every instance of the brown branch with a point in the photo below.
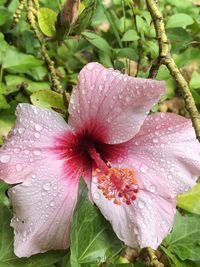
(32, 6)
(166, 59)
(148, 256)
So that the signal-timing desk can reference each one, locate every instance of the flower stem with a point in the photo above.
(150, 258)
(166, 59)
(154, 262)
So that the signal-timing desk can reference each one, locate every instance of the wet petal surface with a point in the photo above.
(144, 223)
(29, 142)
(43, 206)
(110, 105)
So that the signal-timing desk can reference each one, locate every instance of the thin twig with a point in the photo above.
(153, 260)
(166, 59)
(18, 13)
(148, 256)
(33, 5)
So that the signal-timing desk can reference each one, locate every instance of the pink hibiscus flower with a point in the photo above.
(134, 164)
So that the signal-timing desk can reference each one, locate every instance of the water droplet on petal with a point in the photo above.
(90, 66)
(38, 127)
(52, 204)
(19, 167)
(37, 152)
(96, 195)
(37, 135)
(137, 143)
(128, 99)
(152, 188)
(141, 204)
(16, 150)
(155, 140)
(5, 158)
(21, 130)
(144, 169)
(47, 186)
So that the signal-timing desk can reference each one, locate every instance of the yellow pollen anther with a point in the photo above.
(118, 184)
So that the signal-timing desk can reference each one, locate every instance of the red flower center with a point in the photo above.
(86, 152)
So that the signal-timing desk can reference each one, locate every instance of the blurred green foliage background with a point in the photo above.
(118, 34)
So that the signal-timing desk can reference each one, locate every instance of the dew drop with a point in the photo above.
(115, 73)
(141, 204)
(47, 186)
(96, 195)
(37, 135)
(38, 127)
(155, 140)
(95, 180)
(5, 159)
(16, 150)
(52, 204)
(36, 152)
(90, 66)
(152, 188)
(144, 169)
(137, 143)
(128, 99)
(18, 167)
(21, 130)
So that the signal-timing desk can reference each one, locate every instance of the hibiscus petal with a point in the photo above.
(165, 155)
(43, 205)
(110, 105)
(29, 141)
(144, 223)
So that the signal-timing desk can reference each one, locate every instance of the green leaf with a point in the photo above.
(7, 257)
(6, 90)
(128, 52)
(48, 99)
(97, 41)
(174, 261)
(3, 47)
(84, 18)
(46, 19)
(18, 62)
(180, 3)
(130, 35)
(179, 20)
(190, 201)
(110, 14)
(3, 198)
(7, 119)
(91, 235)
(184, 240)
(15, 81)
(5, 15)
(195, 80)
(142, 25)
(3, 102)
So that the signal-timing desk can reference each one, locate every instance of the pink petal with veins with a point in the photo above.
(43, 205)
(29, 141)
(165, 158)
(165, 154)
(144, 223)
(110, 104)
